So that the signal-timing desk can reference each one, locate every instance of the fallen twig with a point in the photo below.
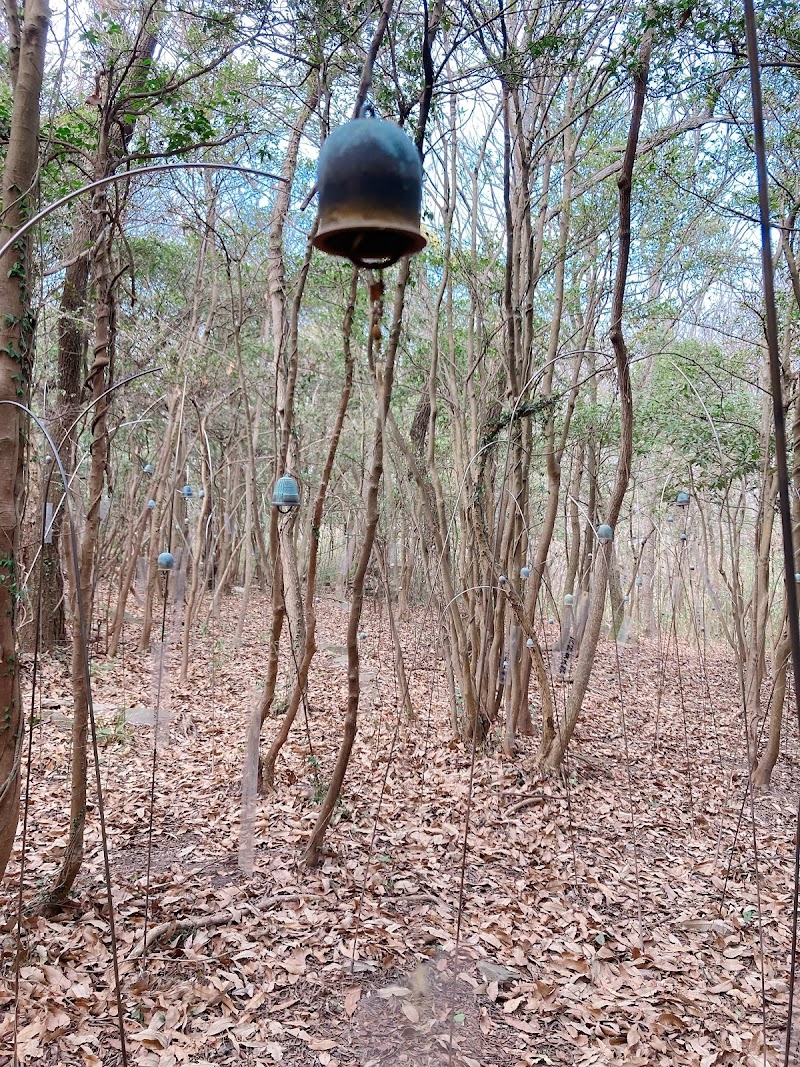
(167, 929)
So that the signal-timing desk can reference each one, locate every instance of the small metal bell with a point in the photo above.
(286, 494)
(166, 561)
(682, 500)
(605, 533)
(370, 194)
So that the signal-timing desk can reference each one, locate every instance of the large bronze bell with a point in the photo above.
(369, 177)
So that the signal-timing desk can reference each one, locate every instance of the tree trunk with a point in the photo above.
(298, 691)
(384, 381)
(551, 755)
(27, 40)
(83, 585)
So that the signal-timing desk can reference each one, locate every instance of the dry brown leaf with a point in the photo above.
(410, 1012)
(351, 1000)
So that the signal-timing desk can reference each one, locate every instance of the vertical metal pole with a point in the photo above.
(771, 328)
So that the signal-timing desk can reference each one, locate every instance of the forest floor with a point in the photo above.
(622, 914)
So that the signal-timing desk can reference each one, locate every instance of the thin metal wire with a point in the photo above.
(634, 835)
(154, 767)
(489, 603)
(92, 724)
(557, 719)
(681, 694)
(781, 463)
(29, 761)
(303, 688)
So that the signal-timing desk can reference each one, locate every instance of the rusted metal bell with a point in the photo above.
(370, 194)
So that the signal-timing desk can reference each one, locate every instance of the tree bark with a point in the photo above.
(83, 585)
(27, 41)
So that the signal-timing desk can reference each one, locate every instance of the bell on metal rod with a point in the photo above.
(369, 176)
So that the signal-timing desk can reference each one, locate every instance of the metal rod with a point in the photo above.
(87, 674)
(781, 464)
(153, 168)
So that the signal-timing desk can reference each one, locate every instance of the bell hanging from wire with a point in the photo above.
(369, 177)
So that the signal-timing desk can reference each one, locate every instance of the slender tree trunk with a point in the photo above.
(384, 381)
(298, 691)
(762, 775)
(759, 613)
(551, 755)
(27, 37)
(399, 663)
(71, 356)
(284, 341)
(147, 525)
(97, 383)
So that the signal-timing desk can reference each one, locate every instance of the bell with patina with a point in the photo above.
(369, 176)
(286, 494)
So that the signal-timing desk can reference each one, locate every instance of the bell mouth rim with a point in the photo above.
(326, 241)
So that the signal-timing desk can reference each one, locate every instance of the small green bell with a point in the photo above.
(286, 494)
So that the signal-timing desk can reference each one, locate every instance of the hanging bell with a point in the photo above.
(682, 500)
(286, 494)
(605, 532)
(369, 176)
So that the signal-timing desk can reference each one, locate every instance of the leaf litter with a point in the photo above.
(566, 956)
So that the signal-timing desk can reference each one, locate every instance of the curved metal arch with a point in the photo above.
(109, 179)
